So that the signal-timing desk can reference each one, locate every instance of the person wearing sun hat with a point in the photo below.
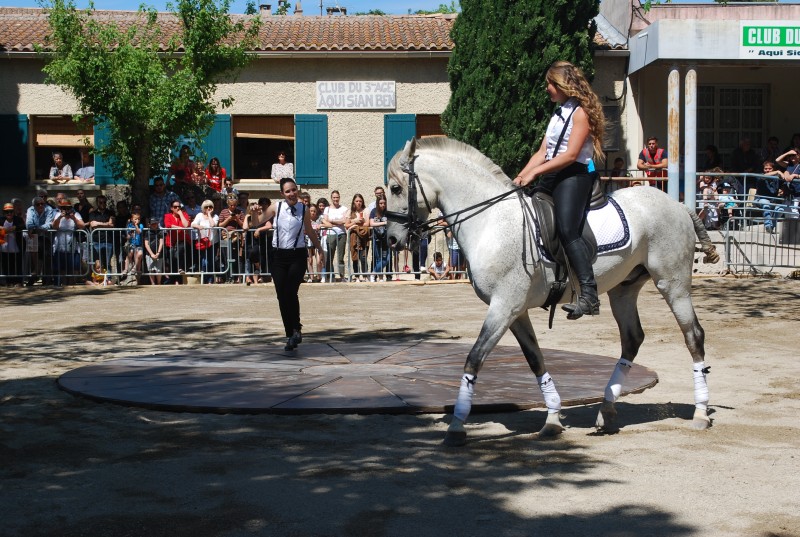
(11, 246)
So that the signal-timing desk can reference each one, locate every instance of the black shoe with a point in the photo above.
(291, 344)
(298, 337)
(584, 306)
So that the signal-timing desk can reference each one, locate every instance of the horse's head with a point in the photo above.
(406, 204)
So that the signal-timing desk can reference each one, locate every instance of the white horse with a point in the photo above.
(509, 275)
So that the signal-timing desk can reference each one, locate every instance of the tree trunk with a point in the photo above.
(140, 187)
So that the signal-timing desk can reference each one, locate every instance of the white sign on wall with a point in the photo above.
(355, 95)
(765, 40)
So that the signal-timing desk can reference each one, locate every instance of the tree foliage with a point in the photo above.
(452, 7)
(503, 49)
(150, 88)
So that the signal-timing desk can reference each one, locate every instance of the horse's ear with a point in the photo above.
(408, 151)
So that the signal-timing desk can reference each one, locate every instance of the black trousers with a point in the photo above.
(571, 196)
(288, 271)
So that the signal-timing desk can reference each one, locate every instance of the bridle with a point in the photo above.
(416, 227)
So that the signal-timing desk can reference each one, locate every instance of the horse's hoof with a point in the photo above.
(552, 427)
(701, 424)
(455, 439)
(607, 419)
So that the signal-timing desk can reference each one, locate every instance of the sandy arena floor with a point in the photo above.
(73, 467)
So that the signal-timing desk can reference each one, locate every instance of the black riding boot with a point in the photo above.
(587, 303)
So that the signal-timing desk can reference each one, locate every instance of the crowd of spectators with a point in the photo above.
(200, 223)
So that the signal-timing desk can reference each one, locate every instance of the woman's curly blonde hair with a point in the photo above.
(571, 80)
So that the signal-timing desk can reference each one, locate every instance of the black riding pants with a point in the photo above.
(571, 196)
(288, 271)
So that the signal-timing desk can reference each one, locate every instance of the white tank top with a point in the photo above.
(289, 227)
(555, 127)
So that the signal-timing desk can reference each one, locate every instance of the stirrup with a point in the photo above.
(581, 307)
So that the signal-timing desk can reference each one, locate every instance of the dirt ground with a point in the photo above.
(74, 467)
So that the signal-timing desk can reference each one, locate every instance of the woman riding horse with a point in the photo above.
(574, 136)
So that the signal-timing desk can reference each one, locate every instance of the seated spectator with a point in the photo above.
(726, 207)
(790, 162)
(794, 144)
(199, 174)
(66, 255)
(82, 205)
(161, 199)
(191, 206)
(100, 221)
(11, 246)
(713, 159)
(178, 239)
(215, 175)
(61, 172)
(39, 221)
(99, 275)
(207, 243)
(766, 192)
(229, 189)
(133, 255)
(789, 190)
(153, 242)
(282, 169)
(438, 269)
(357, 227)
(183, 164)
(85, 171)
(744, 158)
(381, 252)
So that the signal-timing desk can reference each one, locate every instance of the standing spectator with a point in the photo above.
(38, 222)
(207, 240)
(161, 199)
(229, 189)
(770, 151)
(314, 256)
(243, 201)
(231, 218)
(334, 219)
(215, 175)
(282, 169)
(379, 193)
(744, 158)
(252, 250)
(153, 241)
(100, 221)
(356, 224)
(133, 256)
(653, 160)
(85, 171)
(66, 259)
(291, 222)
(61, 171)
(619, 168)
(11, 246)
(713, 158)
(381, 253)
(263, 233)
(177, 239)
(82, 205)
(457, 262)
(766, 191)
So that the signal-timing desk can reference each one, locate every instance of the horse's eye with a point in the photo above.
(396, 189)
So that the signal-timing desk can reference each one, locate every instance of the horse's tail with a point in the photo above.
(706, 245)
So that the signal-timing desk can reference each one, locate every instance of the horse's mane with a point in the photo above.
(459, 150)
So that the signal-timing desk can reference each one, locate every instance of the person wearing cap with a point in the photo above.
(153, 242)
(66, 259)
(39, 222)
(11, 246)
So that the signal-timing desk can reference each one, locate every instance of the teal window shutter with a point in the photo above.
(218, 142)
(103, 173)
(311, 149)
(14, 141)
(397, 130)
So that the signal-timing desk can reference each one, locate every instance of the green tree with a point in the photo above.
(149, 87)
(443, 8)
(250, 8)
(503, 49)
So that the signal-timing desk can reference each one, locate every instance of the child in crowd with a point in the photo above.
(727, 204)
(133, 259)
(438, 269)
(153, 241)
(457, 262)
(314, 255)
(98, 276)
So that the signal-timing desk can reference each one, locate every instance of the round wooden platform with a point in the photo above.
(374, 377)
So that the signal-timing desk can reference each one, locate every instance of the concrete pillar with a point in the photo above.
(673, 132)
(690, 138)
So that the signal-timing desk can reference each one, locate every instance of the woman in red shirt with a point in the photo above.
(215, 174)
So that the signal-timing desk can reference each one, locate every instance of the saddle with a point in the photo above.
(542, 204)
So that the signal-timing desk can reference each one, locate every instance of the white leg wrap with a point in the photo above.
(549, 392)
(614, 386)
(700, 385)
(464, 399)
